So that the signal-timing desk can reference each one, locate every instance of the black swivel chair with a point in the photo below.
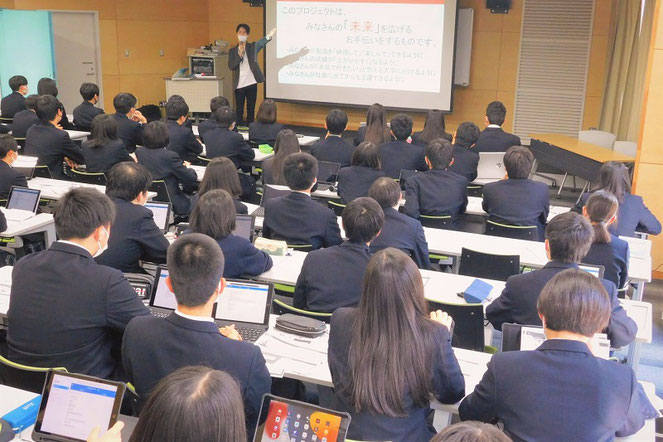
(486, 265)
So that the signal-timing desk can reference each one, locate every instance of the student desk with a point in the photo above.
(42, 222)
(78, 135)
(55, 189)
(304, 140)
(257, 160)
(474, 207)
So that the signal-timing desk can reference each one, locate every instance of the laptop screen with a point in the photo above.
(270, 192)
(162, 297)
(244, 301)
(23, 198)
(26, 165)
(244, 226)
(593, 270)
(161, 213)
(328, 172)
(491, 166)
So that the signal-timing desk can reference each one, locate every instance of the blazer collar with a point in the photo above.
(560, 265)
(68, 248)
(121, 115)
(200, 326)
(565, 345)
(354, 245)
(298, 195)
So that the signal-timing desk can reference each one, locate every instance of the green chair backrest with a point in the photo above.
(24, 377)
(279, 307)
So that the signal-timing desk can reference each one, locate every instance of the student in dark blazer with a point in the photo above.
(324, 292)
(104, 148)
(400, 155)
(272, 168)
(47, 86)
(466, 161)
(4, 129)
(25, 119)
(166, 165)
(8, 175)
(568, 238)
(265, 129)
(387, 396)
(64, 308)
(607, 250)
(224, 142)
(399, 231)
(437, 192)
(211, 123)
(434, 127)
(182, 140)
(354, 181)
(296, 218)
(15, 102)
(493, 138)
(633, 215)
(222, 174)
(517, 200)
(134, 237)
(154, 347)
(376, 130)
(50, 144)
(85, 112)
(333, 148)
(129, 121)
(561, 391)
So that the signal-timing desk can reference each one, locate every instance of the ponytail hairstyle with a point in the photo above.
(601, 207)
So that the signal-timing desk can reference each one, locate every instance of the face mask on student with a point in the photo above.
(242, 38)
(104, 248)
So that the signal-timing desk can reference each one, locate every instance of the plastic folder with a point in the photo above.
(477, 292)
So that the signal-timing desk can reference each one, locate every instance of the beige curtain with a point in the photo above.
(630, 37)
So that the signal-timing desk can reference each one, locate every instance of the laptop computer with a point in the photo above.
(26, 165)
(596, 270)
(244, 226)
(22, 203)
(529, 337)
(491, 166)
(403, 177)
(327, 174)
(270, 191)
(161, 212)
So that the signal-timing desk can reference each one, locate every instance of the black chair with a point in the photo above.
(159, 186)
(530, 233)
(486, 265)
(280, 307)
(88, 177)
(336, 207)
(437, 222)
(24, 377)
(301, 247)
(468, 324)
(474, 190)
(42, 172)
(511, 336)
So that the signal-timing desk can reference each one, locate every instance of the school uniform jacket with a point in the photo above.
(436, 192)
(401, 155)
(333, 149)
(264, 133)
(242, 258)
(84, 113)
(23, 120)
(51, 145)
(354, 181)
(103, 158)
(12, 104)
(129, 131)
(221, 142)
(632, 216)
(405, 233)
(613, 256)
(183, 142)
(416, 138)
(206, 126)
(494, 139)
(10, 177)
(465, 163)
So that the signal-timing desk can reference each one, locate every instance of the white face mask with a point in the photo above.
(104, 248)
(242, 38)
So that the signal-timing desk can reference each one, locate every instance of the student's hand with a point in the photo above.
(186, 163)
(443, 318)
(59, 126)
(230, 332)
(505, 177)
(271, 33)
(133, 155)
(112, 435)
(70, 163)
(138, 116)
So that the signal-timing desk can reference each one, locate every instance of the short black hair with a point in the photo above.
(31, 101)
(337, 121)
(7, 144)
(218, 102)
(440, 153)
(176, 109)
(300, 170)
(267, 112)
(366, 154)
(127, 180)
(225, 116)
(214, 214)
(467, 134)
(123, 102)
(496, 113)
(195, 267)
(81, 211)
(47, 107)
(401, 126)
(518, 162)
(569, 237)
(47, 86)
(386, 192)
(155, 135)
(88, 91)
(246, 27)
(17, 81)
(363, 219)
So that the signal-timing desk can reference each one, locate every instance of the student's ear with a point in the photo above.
(473, 145)
(584, 211)
(547, 245)
(222, 285)
(169, 284)
(392, 133)
(451, 163)
(232, 126)
(453, 139)
(543, 320)
(486, 121)
(612, 220)
(428, 163)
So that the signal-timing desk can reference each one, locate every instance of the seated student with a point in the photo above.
(48, 142)
(376, 130)
(211, 123)
(517, 200)
(295, 217)
(272, 168)
(466, 161)
(85, 112)
(607, 250)
(166, 165)
(324, 292)
(399, 230)
(471, 431)
(154, 347)
(182, 140)
(222, 174)
(8, 175)
(561, 391)
(354, 181)
(214, 216)
(134, 237)
(15, 102)
(265, 129)
(633, 215)
(400, 155)
(4, 129)
(333, 149)
(25, 119)
(129, 120)
(47, 86)
(434, 127)
(104, 148)
(568, 238)
(389, 397)
(65, 308)
(493, 138)
(222, 141)
(437, 192)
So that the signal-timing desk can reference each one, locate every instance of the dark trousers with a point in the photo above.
(249, 94)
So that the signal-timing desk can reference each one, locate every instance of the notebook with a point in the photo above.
(491, 166)
(269, 192)
(22, 203)
(327, 174)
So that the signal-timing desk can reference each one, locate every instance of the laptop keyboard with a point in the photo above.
(249, 334)
(160, 314)
(260, 212)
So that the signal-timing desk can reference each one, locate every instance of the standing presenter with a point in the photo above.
(243, 62)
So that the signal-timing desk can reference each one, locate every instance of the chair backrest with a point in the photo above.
(24, 377)
(201, 161)
(436, 222)
(142, 283)
(89, 177)
(509, 231)
(626, 147)
(511, 336)
(279, 308)
(468, 324)
(42, 172)
(486, 265)
(6, 120)
(336, 207)
(598, 137)
(159, 186)
(301, 247)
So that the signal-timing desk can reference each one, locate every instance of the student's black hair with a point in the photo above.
(601, 206)
(195, 266)
(300, 170)
(175, 97)
(434, 126)
(569, 237)
(246, 27)
(214, 215)
(614, 177)
(31, 102)
(363, 219)
(496, 113)
(176, 109)
(376, 125)
(401, 126)
(127, 180)
(16, 82)
(7, 144)
(471, 431)
(285, 144)
(386, 192)
(225, 116)
(366, 154)
(337, 121)
(267, 112)
(518, 162)
(104, 130)
(123, 102)
(440, 153)
(221, 173)
(218, 102)
(155, 135)
(47, 107)
(47, 86)
(467, 134)
(80, 211)
(88, 91)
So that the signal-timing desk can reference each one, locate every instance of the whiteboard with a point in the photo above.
(463, 46)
